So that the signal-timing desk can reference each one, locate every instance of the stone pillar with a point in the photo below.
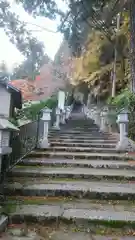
(88, 114)
(46, 117)
(63, 113)
(57, 123)
(89, 100)
(122, 120)
(6, 128)
(61, 106)
(85, 110)
(92, 111)
(68, 112)
(97, 116)
(61, 100)
(103, 115)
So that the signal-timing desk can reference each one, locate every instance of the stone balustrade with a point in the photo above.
(103, 117)
(124, 143)
(109, 121)
(62, 116)
(104, 120)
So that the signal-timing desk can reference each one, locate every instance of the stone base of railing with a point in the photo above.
(56, 127)
(43, 144)
(3, 223)
(126, 145)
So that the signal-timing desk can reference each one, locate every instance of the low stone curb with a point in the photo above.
(83, 144)
(99, 164)
(3, 223)
(73, 173)
(79, 141)
(84, 149)
(80, 155)
(86, 190)
(46, 213)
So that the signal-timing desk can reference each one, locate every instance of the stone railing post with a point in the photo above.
(122, 120)
(92, 112)
(104, 120)
(97, 116)
(6, 128)
(89, 100)
(46, 117)
(85, 110)
(68, 110)
(61, 105)
(63, 113)
(57, 123)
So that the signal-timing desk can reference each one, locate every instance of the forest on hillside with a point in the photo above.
(101, 38)
(95, 66)
(100, 52)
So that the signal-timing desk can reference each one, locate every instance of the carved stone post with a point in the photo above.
(63, 113)
(68, 110)
(57, 123)
(92, 112)
(89, 100)
(103, 115)
(46, 117)
(97, 116)
(61, 100)
(5, 129)
(122, 120)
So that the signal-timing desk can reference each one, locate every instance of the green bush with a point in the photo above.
(126, 100)
(32, 111)
(121, 100)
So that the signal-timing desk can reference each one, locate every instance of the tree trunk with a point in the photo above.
(115, 58)
(132, 43)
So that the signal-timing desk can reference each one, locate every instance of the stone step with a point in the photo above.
(80, 155)
(93, 215)
(79, 127)
(74, 131)
(80, 123)
(3, 222)
(78, 163)
(83, 125)
(87, 134)
(83, 144)
(82, 149)
(18, 232)
(75, 128)
(75, 189)
(82, 137)
(85, 141)
(60, 234)
(70, 202)
(43, 180)
(73, 172)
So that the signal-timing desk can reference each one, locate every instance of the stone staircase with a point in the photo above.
(80, 184)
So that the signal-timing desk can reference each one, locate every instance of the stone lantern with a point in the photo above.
(6, 128)
(46, 117)
(122, 120)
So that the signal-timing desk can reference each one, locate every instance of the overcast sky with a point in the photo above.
(8, 51)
